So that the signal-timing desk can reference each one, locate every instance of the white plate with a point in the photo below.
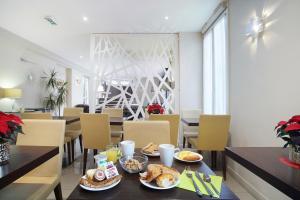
(150, 185)
(157, 154)
(188, 161)
(99, 189)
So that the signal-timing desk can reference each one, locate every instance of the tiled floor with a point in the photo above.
(72, 173)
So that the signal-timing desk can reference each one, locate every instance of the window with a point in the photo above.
(215, 89)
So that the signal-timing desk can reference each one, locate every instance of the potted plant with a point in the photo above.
(155, 109)
(289, 131)
(57, 91)
(10, 126)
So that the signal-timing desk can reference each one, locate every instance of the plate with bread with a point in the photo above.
(160, 177)
(98, 180)
(150, 149)
(188, 156)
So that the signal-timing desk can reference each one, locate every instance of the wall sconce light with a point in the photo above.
(255, 27)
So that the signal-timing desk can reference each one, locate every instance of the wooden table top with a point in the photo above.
(265, 163)
(131, 188)
(22, 160)
(190, 121)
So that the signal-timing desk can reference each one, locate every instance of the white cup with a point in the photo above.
(166, 152)
(127, 147)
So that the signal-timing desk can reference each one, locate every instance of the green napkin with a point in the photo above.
(187, 184)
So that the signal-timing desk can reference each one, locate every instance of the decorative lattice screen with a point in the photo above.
(135, 70)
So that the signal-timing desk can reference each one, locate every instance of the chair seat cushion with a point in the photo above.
(190, 134)
(193, 142)
(30, 188)
(73, 134)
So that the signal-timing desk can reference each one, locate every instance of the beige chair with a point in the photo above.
(116, 130)
(190, 131)
(73, 130)
(213, 136)
(47, 115)
(36, 115)
(144, 132)
(173, 119)
(95, 133)
(40, 182)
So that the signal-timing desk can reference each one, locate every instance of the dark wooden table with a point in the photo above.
(265, 163)
(69, 120)
(22, 160)
(131, 188)
(190, 121)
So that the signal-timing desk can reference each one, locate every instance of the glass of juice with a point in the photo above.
(112, 152)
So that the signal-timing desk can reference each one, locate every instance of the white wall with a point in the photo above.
(264, 77)
(14, 72)
(190, 57)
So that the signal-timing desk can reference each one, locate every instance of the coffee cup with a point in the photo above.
(127, 147)
(166, 152)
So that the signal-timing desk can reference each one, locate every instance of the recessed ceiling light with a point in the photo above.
(51, 20)
(80, 57)
(85, 18)
(166, 17)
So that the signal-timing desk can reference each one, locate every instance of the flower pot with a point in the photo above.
(294, 154)
(4, 153)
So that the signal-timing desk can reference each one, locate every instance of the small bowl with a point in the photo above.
(141, 158)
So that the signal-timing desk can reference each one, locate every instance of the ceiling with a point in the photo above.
(70, 39)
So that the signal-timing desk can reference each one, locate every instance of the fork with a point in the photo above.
(189, 175)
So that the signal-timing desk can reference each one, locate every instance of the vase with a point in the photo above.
(294, 154)
(4, 153)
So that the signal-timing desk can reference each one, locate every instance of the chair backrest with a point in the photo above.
(173, 119)
(191, 113)
(72, 112)
(44, 133)
(213, 132)
(144, 132)
(36, 115)
(95, 130)
(113, 112)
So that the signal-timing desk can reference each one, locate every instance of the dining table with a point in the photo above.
(270, 164)
(131, 188)
(22, 160)
(190, 121)
(70, 119)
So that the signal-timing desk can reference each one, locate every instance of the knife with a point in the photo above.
(203, 183)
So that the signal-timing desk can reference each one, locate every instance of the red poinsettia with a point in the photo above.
(10, 125)
(155, 109)
(289, 130)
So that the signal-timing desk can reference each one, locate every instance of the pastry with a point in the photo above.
(150, 148)
(90, 174)
(188, 156)
(165, 180)
(155, 170)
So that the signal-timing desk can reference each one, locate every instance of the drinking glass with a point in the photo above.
(112, 152)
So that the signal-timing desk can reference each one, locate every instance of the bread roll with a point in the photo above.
(165, 180)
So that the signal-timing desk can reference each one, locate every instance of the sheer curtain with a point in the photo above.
(215, 89)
